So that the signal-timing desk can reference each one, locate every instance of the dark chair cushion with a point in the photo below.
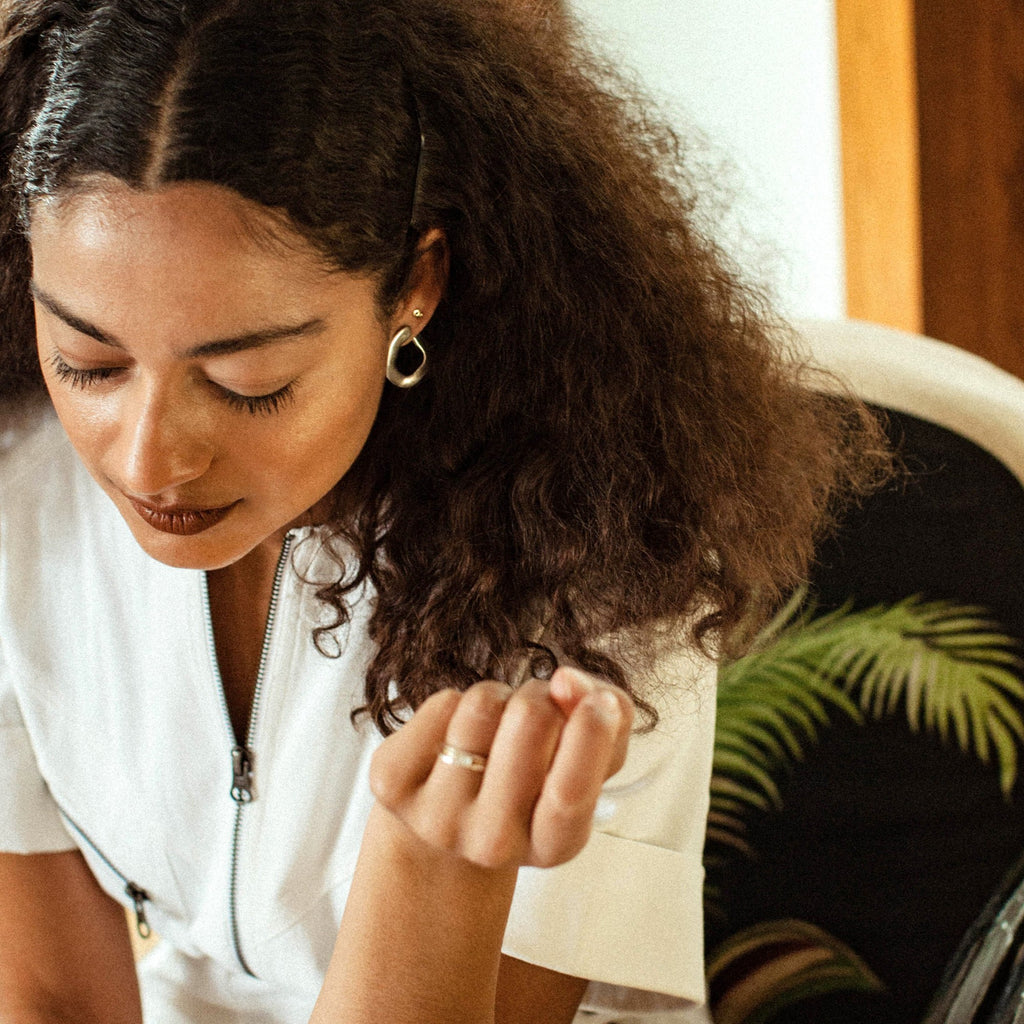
(890, 841)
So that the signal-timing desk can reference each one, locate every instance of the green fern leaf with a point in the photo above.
(753, 974)
(952, 671)
(721, 784)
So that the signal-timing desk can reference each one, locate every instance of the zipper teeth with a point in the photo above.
(136, 893)
(261, 669)
(212, 646)
(236, 938)
(247, 740)
(99, 853)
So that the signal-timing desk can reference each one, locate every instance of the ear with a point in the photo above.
(427, 282)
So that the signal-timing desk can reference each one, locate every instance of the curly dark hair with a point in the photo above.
(609, 441)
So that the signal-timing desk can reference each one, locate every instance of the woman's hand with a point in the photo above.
(437, 869)
(548, 747)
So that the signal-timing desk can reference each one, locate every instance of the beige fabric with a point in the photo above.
(926, 378)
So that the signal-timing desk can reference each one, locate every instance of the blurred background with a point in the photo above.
(869, 157)
(873, 150)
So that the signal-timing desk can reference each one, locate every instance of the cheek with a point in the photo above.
(86, 431)
(330, 442)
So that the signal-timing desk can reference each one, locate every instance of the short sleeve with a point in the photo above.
(29, 819)
(628, 910)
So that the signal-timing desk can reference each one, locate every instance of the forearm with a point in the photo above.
(65, 954)
(42, 1011)
(420, 939)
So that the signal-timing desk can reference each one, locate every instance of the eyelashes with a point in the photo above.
(255, 405)
(259, 404)
(78, 378)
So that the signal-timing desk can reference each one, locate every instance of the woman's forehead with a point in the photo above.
(116, 255)
(178, 232)
(102, 203)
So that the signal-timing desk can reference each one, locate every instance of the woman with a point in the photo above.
(393, 387)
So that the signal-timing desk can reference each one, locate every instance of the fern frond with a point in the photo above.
(949, 667)
(953, 671)
(722, 785)
(753, 974)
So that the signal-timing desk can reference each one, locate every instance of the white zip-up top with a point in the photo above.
(239, 852)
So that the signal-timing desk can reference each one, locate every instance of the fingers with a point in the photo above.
(471, 730)
(521, 754)
(587, 755)
(403, 762)
(569, 686)
(475, 722)
(548, 748)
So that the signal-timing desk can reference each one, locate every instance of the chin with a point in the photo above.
(196, 552)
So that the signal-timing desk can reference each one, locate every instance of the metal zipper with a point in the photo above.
(243, 790)
(134, 892)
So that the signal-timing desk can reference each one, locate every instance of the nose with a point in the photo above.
(161, 443)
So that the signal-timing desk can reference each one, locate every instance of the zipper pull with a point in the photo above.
(241, 775)
(138, 897)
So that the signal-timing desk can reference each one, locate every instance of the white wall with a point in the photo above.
(758, 80)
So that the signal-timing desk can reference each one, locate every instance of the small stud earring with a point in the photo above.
(418, 313)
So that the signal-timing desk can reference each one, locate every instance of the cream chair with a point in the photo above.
(955, 530)
(928, 837)
(929, 379)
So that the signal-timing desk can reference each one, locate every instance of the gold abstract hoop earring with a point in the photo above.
(398, 342)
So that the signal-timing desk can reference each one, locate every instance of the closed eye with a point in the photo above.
(76, 378)
(255, 405)
(259, 404)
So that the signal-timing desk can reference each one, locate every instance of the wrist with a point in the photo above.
(421, 935)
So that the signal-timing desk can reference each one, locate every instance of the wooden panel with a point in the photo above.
(971, 97)
(878, 118)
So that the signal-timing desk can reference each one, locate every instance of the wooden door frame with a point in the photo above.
(880, 161)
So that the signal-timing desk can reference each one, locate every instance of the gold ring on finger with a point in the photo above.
(462, 758)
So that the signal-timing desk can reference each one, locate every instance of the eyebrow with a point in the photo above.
(219, 347)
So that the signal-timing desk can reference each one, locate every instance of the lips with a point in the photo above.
(178, 519)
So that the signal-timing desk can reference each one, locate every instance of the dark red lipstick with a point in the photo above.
(179, 519)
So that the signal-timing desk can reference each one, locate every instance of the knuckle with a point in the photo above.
(492, 850)
(566, 811)
(625, 703)
(532, 705)
(385, 783)
(483, 703)
(441, 701)
(609, 712)
(534, 690)
(628, 708)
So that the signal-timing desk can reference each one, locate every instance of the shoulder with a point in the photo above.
(35, 456)
(43, 485)
(32, 441)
